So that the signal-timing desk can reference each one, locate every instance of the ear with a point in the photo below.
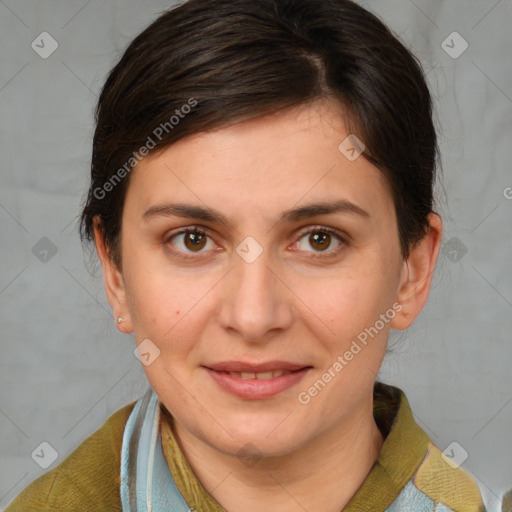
(113, 281)
(417, 275)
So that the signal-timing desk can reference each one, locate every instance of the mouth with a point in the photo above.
(256, 382)
(258, 375)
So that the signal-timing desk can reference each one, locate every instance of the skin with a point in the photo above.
(298, 301)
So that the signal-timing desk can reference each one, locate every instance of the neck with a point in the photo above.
(321, 476)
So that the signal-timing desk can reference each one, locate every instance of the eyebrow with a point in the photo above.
(295, 214)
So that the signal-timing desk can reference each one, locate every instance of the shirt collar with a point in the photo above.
(404, 449)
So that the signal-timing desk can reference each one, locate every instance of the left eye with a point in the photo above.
(321, 239)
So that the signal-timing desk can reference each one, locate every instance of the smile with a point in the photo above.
(260, 375)
(257, 385)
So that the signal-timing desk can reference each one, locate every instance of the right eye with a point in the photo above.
(189, 241)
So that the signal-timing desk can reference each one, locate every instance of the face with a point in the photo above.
(228, 267)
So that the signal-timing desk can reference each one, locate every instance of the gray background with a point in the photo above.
(64, 366)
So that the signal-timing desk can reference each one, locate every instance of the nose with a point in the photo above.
(255, 302)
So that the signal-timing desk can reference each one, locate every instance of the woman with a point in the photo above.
(261, 201)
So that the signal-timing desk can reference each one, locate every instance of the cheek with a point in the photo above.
(350, 299)
(169, 309)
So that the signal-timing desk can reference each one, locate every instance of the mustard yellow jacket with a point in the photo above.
(408, 465)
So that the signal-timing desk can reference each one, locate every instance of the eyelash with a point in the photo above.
(315, 229)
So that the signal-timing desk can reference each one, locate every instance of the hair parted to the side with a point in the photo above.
(232, 60)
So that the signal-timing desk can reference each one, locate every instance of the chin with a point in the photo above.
(259, 440)
(252, 450)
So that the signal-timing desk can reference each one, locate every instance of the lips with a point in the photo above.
(243, 367)
(258, 375)
(256, 381)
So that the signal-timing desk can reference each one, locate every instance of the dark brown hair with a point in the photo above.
(206, 64)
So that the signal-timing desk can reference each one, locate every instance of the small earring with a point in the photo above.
(120, 320)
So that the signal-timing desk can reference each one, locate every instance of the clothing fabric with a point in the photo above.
(138, 441)
(146, 482)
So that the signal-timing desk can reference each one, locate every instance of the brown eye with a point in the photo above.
(322, 240)
(194, 240)
(190, 241)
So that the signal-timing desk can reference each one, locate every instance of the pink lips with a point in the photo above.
(254, 388)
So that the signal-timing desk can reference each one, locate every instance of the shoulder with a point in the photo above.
(442, 480)
(88, 477)
(422, 472)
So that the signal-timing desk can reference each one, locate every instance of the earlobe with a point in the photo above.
(417, 274)
(113, 281)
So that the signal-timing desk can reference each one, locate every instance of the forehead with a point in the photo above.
(264, 166)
